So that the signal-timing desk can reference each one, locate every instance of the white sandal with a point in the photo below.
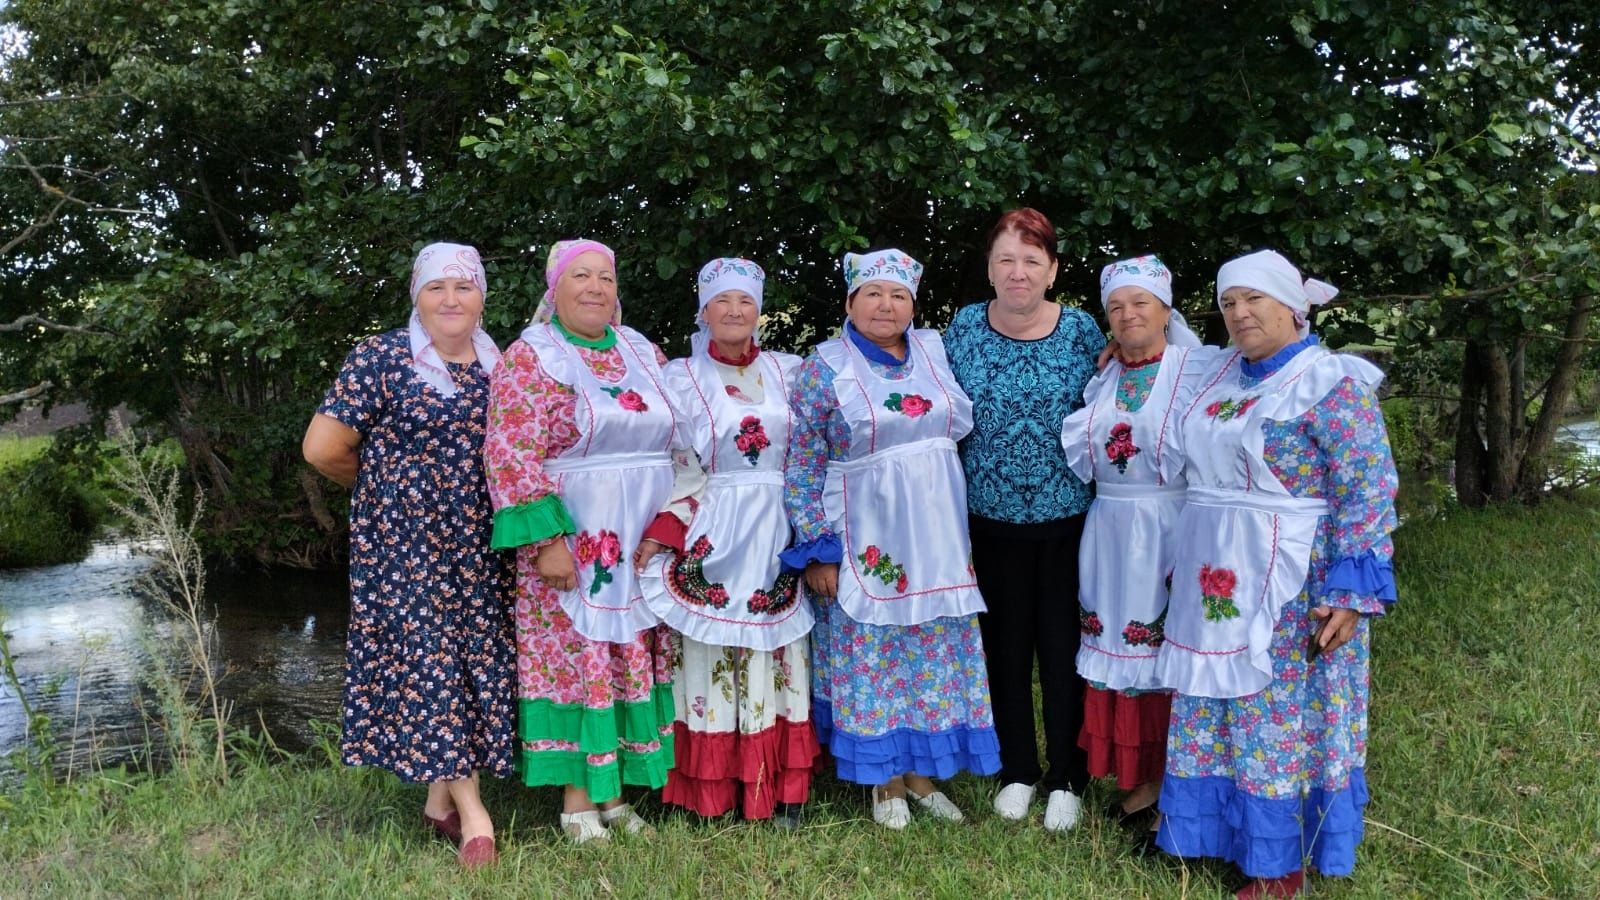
(938, 805)
(583, 827)
(624, 817)
(892, 813)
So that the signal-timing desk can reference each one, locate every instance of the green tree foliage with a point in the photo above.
(249, 179)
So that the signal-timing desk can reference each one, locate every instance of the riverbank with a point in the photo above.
(1485, 741)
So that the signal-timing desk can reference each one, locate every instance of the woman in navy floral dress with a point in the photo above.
(429, 660)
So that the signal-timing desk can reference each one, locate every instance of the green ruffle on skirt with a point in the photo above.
(597, 731)
(530, 523)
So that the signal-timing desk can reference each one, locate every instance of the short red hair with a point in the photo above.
(1030, 225)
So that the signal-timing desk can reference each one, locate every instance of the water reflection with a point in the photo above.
(79, 633)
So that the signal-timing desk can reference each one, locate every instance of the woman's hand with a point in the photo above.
(648, 548)
(1338, 627)
(556, 567)
(822, 579)
(1111, 348)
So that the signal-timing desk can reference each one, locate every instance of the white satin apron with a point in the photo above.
(899, 501)
(1128, 548)
(727, 588)
(613, 481)
(1244, 543)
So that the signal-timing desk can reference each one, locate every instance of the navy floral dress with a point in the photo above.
(430, 663)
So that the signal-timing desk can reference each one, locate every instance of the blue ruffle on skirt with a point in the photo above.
(1266, 838)
(876, 758)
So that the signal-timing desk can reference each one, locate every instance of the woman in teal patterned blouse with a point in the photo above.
(1024, 361)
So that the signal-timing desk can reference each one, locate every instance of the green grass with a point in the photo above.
(17, 450)
(1485, 771)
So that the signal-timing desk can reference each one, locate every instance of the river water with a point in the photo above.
(77, 636)
(80, 636)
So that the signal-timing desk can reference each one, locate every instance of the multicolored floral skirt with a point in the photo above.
(892, 699)
(743, 736)
(1125, 734)
(590, 713)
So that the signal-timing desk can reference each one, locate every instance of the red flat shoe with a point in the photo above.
(448, 825)
(1287, 886)
(477, 853)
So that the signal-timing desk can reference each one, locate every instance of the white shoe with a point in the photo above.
(938, 805)
(625, 818)
(892, 813)
(1062, 811)
(1013, 801)
(583, 827)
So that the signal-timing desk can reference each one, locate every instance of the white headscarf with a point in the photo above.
(725, 274)
(433, 262)
(885, 265)
(1149, 273)
(1270, 273)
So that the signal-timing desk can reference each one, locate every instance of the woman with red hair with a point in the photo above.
(1024, 360)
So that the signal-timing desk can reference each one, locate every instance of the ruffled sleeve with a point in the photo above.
(805, 470)
(1075, 429)
(1348, 428)
(530, 421)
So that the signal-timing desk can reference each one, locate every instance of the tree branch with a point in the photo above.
(30, 320)
(33, 228)
(25, 395)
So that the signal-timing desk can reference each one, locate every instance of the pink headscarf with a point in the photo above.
(561, 256)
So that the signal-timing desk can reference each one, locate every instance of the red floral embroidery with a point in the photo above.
(1143, 634)
(687, 579)
(752, 439)
(1089, 623)
(884, 567)
(909, 405)
(628, 399)
(602, 549)
(1223, 410)
(1120, 448)
(1216, 592)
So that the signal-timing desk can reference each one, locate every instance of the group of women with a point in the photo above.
(724, 565)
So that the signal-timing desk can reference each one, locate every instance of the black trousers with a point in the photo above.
(1029, 578)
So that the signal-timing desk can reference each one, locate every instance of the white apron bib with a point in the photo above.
(899, 502)
(1244, 543)
(1127, 547)
(612, 481)
(727, 588)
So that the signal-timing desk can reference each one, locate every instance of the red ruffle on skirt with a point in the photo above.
(714, 770)
(1125, 735)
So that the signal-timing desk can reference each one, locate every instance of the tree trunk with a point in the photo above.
(1469, 445)
(1501, 473)
(1535, 466)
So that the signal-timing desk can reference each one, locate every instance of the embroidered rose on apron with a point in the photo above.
(1119, 446)
(752, 439)
(911, 405)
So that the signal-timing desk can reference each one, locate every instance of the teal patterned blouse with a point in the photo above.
(1021, 392)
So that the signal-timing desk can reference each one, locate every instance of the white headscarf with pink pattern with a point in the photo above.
(433, 262)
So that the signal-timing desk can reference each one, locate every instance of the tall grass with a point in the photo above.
(1484, 765)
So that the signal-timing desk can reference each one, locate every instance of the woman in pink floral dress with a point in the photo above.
(579, 461)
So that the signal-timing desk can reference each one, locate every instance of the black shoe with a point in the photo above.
(1137, 820)
(787, 816)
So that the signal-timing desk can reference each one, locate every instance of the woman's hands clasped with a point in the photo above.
(822, 579)
(646, 550)
(556, 567)
(1335, 628)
